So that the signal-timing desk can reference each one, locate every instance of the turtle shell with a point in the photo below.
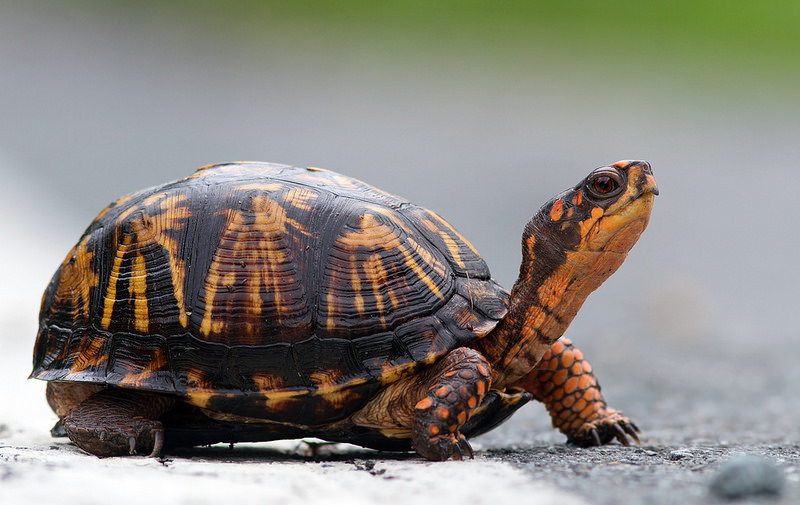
(265, 291)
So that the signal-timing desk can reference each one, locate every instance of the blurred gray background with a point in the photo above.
(480, 111)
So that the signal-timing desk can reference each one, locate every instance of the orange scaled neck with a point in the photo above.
(549, 292)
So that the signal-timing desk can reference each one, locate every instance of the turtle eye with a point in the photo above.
(605, 184)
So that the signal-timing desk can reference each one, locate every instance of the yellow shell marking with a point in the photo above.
(330, 324)
(356, 280)
(157, 363)
(451, 244)
(392, 216)
(90, 356)
(257, 259)
(427, 257)
(77, 279)
(414, 266)
(373, 267)
(373, 232)
(170, 216)
(138, 287)
(117, 203)
(301, 198)
(266, 188)
(111, 290)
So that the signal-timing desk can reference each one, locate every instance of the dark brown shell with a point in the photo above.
(265, 291)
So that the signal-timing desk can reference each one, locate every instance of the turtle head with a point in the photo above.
(603, 215)
(573, 244)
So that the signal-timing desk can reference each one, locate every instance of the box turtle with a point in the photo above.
(256, 301)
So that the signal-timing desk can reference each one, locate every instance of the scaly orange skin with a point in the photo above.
(565, 383)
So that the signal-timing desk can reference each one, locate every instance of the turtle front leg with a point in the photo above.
(431, 406)
(564, 382)
(116, 422)
(457, 385)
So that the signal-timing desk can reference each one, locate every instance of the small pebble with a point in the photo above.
(680, 454)
(747, 475)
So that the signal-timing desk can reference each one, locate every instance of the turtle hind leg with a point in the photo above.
(565, 383)
(457, 385)
(116, 422)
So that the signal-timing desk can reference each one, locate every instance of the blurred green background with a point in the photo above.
(478, 110)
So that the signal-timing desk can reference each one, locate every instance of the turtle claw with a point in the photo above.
(463, 449)
(158, 442)
(632, 430)
(621, 435)
(452, 446)
(602, 430)
(596, 438)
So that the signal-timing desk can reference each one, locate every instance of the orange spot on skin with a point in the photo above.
(587, 368)
(442, 391)
(557, 348)
(568, 401)
(483, 370)
(433, 430)
(442, 413)
(560, 377)
(570, 211)
(585, 382)
(597, 213)
(587, 412)
(590, 395)
(578, 198)
(462, 417)
(571, 385)
(481, 388)
(552, 290)
(579, 405)
(531, 242)
(472, 402)
(577, 369)
(578, 354)
(466, 374)
(567, 359)
(557, 211)
(423, 404)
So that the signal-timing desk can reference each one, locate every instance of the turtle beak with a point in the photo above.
(646, 182)
(641, 174)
